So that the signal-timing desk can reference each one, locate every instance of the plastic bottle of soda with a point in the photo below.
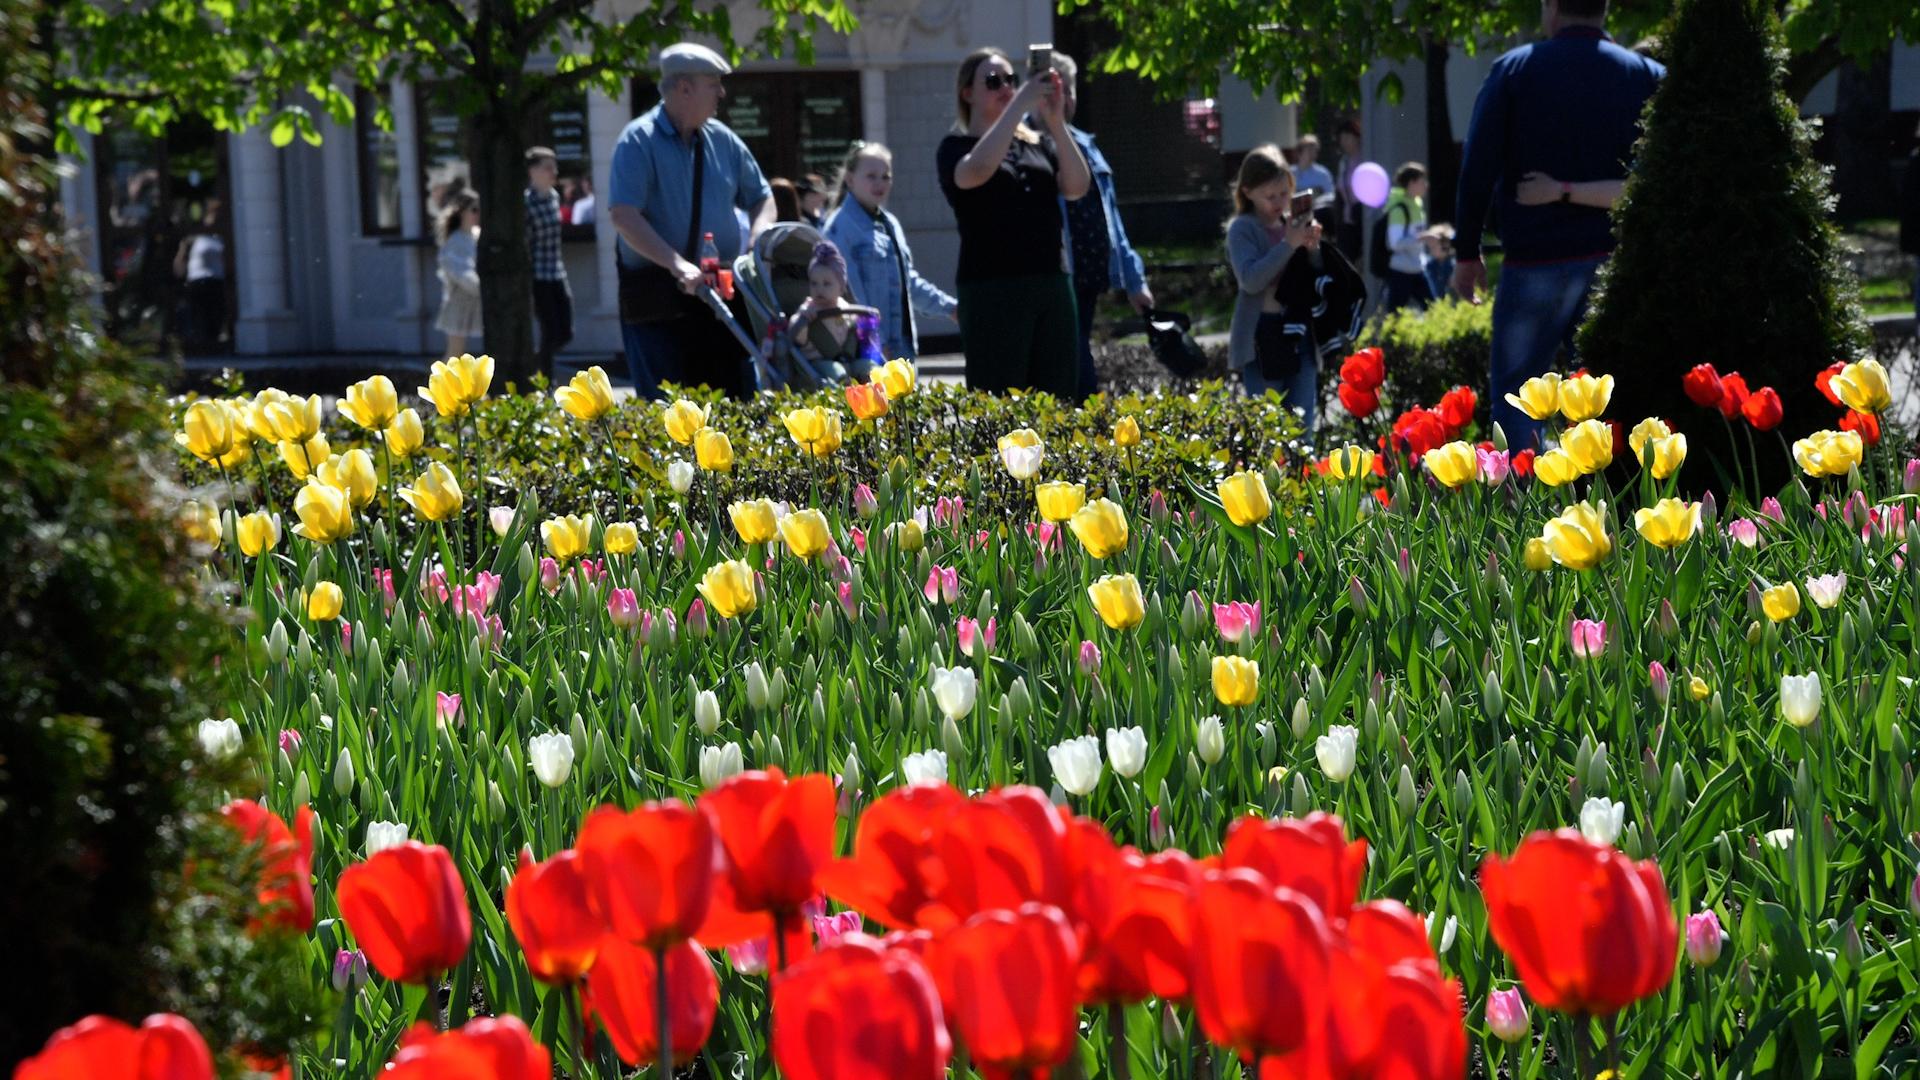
(709, 255)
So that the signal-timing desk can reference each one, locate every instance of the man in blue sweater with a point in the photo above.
(1546, 152)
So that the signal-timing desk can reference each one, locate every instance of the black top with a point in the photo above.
(1009, 226)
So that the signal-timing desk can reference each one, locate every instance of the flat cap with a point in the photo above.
(687, 58)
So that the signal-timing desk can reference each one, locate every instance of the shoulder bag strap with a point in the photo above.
(699, 182)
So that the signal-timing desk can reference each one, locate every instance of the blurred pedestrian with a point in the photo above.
(552, 298)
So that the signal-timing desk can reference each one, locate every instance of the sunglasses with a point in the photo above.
(995, 80)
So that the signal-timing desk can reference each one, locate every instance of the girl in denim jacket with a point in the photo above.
(879, 263)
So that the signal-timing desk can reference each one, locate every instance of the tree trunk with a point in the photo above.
(1806, 69)
(1443, 154)
(506, 268)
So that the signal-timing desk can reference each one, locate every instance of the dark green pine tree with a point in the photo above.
(1726, 253)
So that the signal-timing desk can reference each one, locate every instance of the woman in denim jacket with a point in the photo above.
(879, 263)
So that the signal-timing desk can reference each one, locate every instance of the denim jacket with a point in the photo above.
(873, 274)
(1125, 271)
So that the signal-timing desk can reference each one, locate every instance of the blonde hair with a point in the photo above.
(857, 153)
(969, 67)
(1262, 165)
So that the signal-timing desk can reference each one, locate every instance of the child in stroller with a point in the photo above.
(830, 331)
(807, 334)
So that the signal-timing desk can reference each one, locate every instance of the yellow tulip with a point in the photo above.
(1668, 455)
(728, 587)
(405, 435)
(1244, 494)
(816, 430)
(1590, 444)
(1101, 527)
(1649, 430)
(207, 430)
(1863, 386)
(201, 522)
(909, 534)
(1019, 437)
(1126, 432)
(1697, 688)
(1578, 539)
(805, 532)
(260, 414)
(295, 419)
(239, 414)
(304, 460)
(371, 403)
(1668, 523)
(1781, 602)
(683, 420)
(757, 521)
(897, 376)
(1539, 398)
(1555, 467)
(1455, 464)
(620, 538)
(1350, 463)
(1535, 556)
(566, 537)
(713, 451)
(1584, 397)
(435, 496)
(324, 512)
(324, 603)
(1236, 680)
(1828, 453)
(456, 383)
(868, 400)
(1059, 500)
(830, 438)
(352, 472)
(258, 533)
(1116, 597)
(588, 397)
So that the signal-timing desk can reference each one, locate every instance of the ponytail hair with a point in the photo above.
(456, 206)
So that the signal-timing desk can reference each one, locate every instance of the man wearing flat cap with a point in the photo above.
(677, 175)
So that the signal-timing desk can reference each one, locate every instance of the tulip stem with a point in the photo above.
(1120, 1068)
(660, 1013)
(582, 1053)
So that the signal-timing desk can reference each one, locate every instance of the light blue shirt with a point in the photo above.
(873, 274)
(1313, 176)
(652, 172)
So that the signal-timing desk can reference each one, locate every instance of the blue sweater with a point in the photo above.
(1568, 107)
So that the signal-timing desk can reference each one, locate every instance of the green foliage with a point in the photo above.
(1431, 352)
(1726, 254)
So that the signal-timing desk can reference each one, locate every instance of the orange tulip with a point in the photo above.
(777, 835)
(859, 1011)
(887, 877)
(408, 909)
(285, 888)
(1310, 855)
(1006, 981)
(650, 871)
(548, 911)
(163, 1047)
(1260, 965)
(500, 1048)
(999, 850)
(620, 994)
(1589, 930)
(867, 400)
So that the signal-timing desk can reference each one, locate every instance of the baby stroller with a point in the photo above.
(772, 279)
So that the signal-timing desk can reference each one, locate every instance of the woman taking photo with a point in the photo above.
(1004, 182)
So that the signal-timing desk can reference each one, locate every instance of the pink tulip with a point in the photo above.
(346, 637)
(980, 540)
(1157, 507)
(1744, 532)
(1662, 685)
(489, 629)
(1090, 658)
(947, 511)
(623, 608)
(1046, 534)
(976, 640)
(1157, 832)
(1770, 508)
(1704, 938)
(1494, 465)
(549, 574)
(1237, 621)
(864, 504)
(446, 707)
(1855, 511)
(1507, 1015)
(1910, 479)
(943, 583)
(383, 579)
(679, 547)
(831, 928)
(750, 957)
(1589, 638)
(847, 603)
(859, 537)
(697, 624)
(290, 742)
(1913, 896)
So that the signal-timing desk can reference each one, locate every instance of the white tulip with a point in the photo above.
(501, 518)
(1825, 590)
(1127, 750)
(706, 712)
(552, 757)
(756, 686)
(954, 690)
(925, 767)
(680, 477)
(1211, 740)
(220, 739)
(382, 835)
(1076, 764)
(1779, 838)
(1447, 933)
(1336, 750)
(1800, 698)
(1601, 820)
(1023, 462)
(718, 763)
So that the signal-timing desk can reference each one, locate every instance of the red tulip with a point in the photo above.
(285, 888)
(163, 1047)
(777, 835)
(500, 1048)
(620, 994)
(1364, 370)
(1522, 462)
(999, 850)
(1359, 403)
(1386, 932)
(551, 919)
(1866, 424)
(1140, 929)
(1006, 981)
(858, 1011)
(1589, 930)
(1824, 381)
(650, 871)
(1309, 855)
(1456, 408)
(1702, 385)
(1733, 395)
(887, 877)
(1763, 409)
(1419, 431)
(408, 909)
(1260, 964)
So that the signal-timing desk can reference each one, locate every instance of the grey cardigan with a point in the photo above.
(1256, 259)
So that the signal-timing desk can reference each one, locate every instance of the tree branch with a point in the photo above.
(554, 12)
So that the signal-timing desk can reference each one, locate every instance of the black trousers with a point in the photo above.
(1086, 297)
(553, 308)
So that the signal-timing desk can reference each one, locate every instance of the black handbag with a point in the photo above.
(649, 294)
(1169, 334)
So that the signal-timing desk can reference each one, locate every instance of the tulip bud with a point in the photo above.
(1019, 699)
(1357, 596)
(1704, 939)
(1316, 688)
(1662, 686)
(1157, 832)
(1507, 1015)
(1210, 739)
(706, 712)
(1493, 698)
(1462, 795)
(349, 971)
(1089, 659)
(1404, 795)
(343, 774)
(952, 743)
(777, 690)
(1301, 800)
(496, 803)
(1193, 614)
(302, 789)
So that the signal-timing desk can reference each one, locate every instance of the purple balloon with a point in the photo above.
(1370, 184)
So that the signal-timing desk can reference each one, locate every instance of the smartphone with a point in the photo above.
(1302, 204)
(1039, 59)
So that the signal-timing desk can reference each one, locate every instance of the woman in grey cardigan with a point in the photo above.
(1260, 240)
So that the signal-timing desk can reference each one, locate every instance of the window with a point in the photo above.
(563, 127)
(379, 167)
(795, 122)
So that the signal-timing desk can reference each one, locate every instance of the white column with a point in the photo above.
(264, 323)
(412, 333)
(86, 205)
(873, 104)
(606, 117)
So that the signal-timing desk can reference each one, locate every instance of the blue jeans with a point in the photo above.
(1300, 392)
(1535, 310)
